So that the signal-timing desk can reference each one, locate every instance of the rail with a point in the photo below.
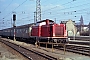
(30, 54)
(81, 45)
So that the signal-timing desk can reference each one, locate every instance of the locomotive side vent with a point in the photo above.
(59, 31)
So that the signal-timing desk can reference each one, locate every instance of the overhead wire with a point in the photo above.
(46, 10)
(57, 6)
(73, 7)
(64, 4)
(73, 15)
(70, 12)
(7, 6)
(67, 7)
(14, 9)
(79, 11)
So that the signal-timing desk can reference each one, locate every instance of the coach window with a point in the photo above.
(24, 30)
(17, 31)
(20, 30)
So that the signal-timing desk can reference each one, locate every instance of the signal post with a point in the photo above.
(14, 19)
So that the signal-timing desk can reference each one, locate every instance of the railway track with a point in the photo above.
(80, 49)
(80, 46)
(30, 54)
(75, 48)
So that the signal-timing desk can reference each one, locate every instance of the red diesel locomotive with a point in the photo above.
(48, 31)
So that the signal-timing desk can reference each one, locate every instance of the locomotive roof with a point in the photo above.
(45, 20)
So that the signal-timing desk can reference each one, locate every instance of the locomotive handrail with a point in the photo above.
(62, 44)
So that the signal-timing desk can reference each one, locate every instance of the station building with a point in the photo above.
(71, 28)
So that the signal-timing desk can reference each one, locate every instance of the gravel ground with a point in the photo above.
(6, 55)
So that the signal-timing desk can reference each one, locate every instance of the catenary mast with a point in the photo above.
(38, 10)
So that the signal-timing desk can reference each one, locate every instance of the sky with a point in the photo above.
(59, 10)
